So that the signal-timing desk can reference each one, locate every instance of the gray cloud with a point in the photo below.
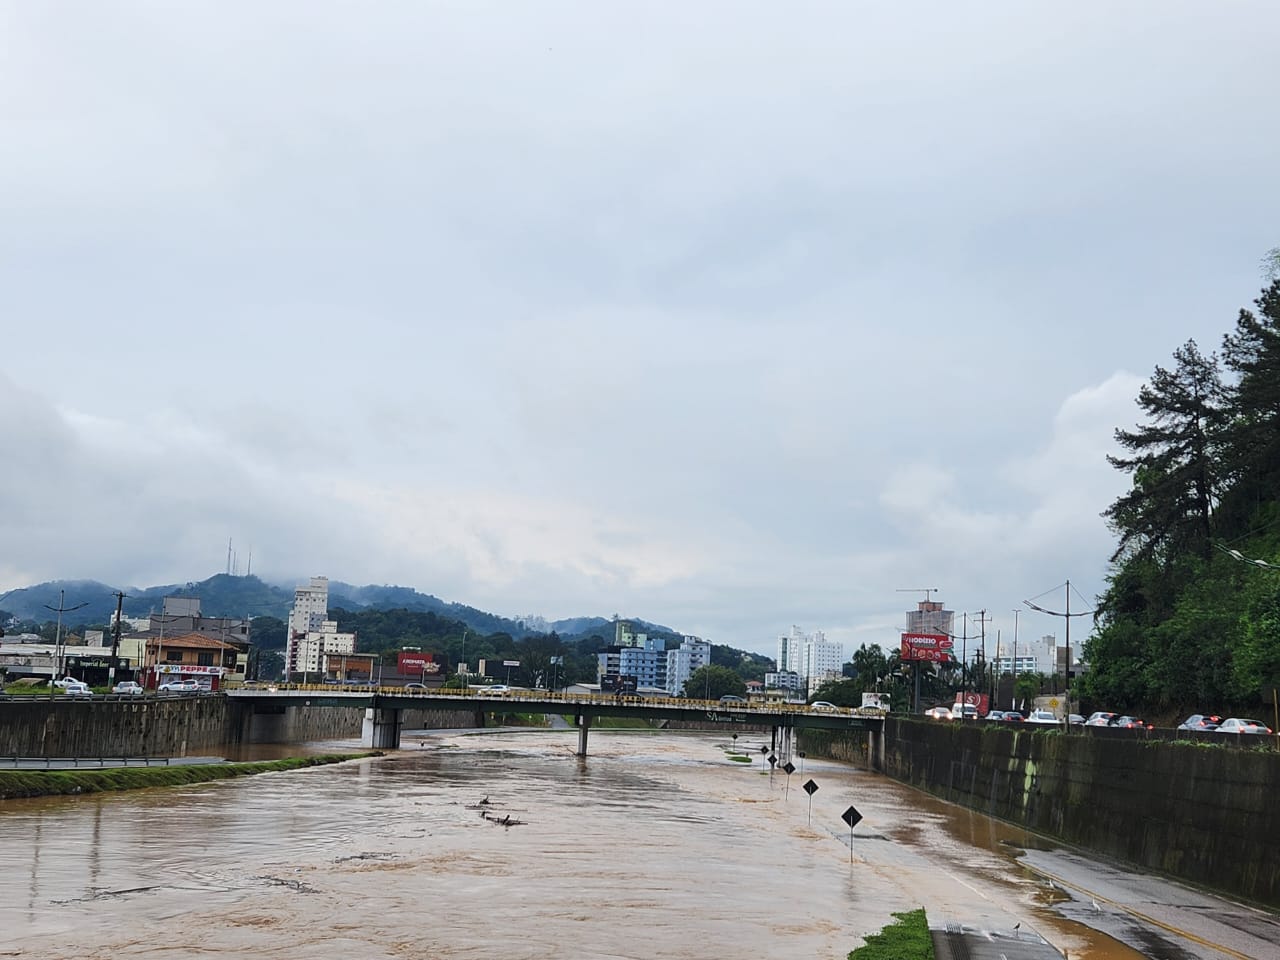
(730, 317)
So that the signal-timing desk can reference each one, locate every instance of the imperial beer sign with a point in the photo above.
(927, 646)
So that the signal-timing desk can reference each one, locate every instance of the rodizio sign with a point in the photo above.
(927, 646)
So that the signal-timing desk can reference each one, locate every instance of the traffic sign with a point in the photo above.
(852, 817)
(789, 767)
(810, 787)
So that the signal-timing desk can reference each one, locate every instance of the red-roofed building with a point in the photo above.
(191, 656)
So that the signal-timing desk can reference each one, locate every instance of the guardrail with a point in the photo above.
(474, 694)
(99, 763)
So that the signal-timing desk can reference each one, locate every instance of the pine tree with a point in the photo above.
(1253, 435)
(1168, 513)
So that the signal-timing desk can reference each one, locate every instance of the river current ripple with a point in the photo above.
(656, 845)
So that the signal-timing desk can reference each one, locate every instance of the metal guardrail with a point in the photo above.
(100, 763)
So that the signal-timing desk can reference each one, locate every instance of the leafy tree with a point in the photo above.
(1252, 352)
(843, 693)
(713, 682)
(869, 665)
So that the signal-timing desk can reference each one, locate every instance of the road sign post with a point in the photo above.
(810, 788)
(852, 817)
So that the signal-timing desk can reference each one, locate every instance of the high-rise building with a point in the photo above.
(692, 653)
(308, 614)
(930, 618)
(810, 655)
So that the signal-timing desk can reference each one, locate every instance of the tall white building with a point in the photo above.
(311, 649)
(692, 653)
(809, 655)
(308, 614)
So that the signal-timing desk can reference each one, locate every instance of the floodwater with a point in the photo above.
(656, 845)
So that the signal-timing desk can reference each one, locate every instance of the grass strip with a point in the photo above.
(45, 783)
(908, 939)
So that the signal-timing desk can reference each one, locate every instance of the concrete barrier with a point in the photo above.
(1204, 812)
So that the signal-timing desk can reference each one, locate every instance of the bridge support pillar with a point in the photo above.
(875, 749)
(381, 730)
(584, 724)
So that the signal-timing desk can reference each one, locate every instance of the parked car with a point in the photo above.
(1100, 719)
(938, 713)
(180, 686)
(1241, 725)
(1200, 721)
(1075, 720)
(128, 687)
(1043, 716)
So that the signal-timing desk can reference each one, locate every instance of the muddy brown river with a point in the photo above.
(656, 845)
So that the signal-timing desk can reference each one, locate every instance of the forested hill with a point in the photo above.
(235, 596)
(1191, 616)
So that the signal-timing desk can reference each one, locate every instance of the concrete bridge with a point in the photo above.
(383, 707)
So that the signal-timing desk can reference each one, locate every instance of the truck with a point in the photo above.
(875, 703)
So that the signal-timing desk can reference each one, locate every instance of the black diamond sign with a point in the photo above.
(810, 787)
(790, 768)
(763, 748)
(851, 817)
(772, 760)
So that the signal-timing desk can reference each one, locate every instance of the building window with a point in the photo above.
(204, 659)
(173, 656)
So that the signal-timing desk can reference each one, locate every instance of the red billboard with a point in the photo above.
(927, 646)
(409, 663)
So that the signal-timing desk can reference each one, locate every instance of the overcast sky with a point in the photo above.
(726, 315)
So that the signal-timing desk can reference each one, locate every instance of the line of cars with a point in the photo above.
(72, 687)
(1206, 722)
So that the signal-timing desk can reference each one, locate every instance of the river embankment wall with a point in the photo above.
(1198, 811)
(182, 726)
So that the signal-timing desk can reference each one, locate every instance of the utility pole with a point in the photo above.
(1013, 696)
(115, 639)
(58, 652)
(983, 620)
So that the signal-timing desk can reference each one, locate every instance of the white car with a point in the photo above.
(75, 688)
(180, 686)
(1043, 716)
(65, 682)
(493, 690)
(823, 705)
(129, 687)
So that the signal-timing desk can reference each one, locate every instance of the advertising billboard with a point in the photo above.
(927, 646)
(411, 663)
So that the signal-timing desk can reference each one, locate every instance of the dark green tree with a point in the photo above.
(1168, 513)
(1252, 353)
(713, 682)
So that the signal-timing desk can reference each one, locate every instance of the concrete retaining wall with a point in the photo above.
(101, 728)
(158, 727)
(1206, 814)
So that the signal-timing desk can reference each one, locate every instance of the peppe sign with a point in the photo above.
(927, 646)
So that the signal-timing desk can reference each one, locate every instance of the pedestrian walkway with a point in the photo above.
(955, 941)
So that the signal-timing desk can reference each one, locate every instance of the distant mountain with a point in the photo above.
(223, 595)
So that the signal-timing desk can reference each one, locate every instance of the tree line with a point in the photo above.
(1190, 618)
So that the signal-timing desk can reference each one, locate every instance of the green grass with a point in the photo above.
(739, 758)
(43, 783)
(908, 939)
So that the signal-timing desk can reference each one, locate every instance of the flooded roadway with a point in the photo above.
(655, 845)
